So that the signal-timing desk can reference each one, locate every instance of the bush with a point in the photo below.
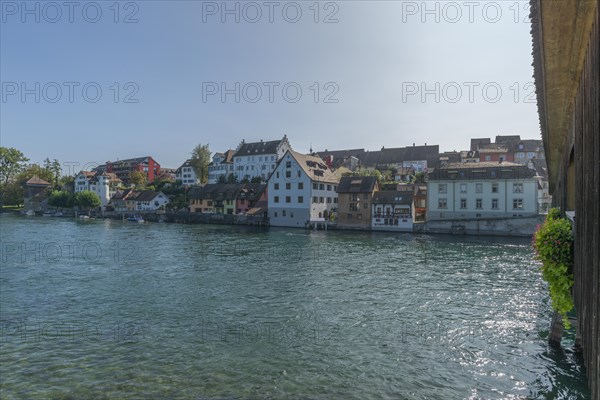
(553, 244)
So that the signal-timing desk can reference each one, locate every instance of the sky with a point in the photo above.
(87, 82)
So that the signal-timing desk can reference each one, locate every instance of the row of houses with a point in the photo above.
(295, 189)
(303, 189)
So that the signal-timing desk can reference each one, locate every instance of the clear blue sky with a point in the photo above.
(375, 56)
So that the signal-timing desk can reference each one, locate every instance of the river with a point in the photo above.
(112, 309)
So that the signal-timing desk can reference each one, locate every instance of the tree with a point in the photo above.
(222, 179)
(201, 157)
(138, 178)
(87, 200)
(12, 161)
(60, 199)
(34, 170)
(55, 169)
(420, 177)
(256, 179)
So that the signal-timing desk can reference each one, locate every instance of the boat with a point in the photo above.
(47, 214)
(58, 214)
(84, 217)
(30, 213)
(136, 218)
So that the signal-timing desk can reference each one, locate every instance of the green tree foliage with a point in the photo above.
(55, 169)
(553, 244)
(34, 170)
(12, 194)
(420, 177)
(231, 178)
(138, 178)
(87, 200)
(201, 157)
(61, 199)
(256, 179)
(12, 162)
(222, 179)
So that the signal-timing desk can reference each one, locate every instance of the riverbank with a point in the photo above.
(520, 227)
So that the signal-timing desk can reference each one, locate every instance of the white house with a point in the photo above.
(186, 174)
(481, 190)
(150, 200)
(221, 165)
(104, 184)
(392, 211)
(301, 189)
(258, 158)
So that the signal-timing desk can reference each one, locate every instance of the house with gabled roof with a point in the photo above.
(221, 166)
(302, 189)
(186, 174)
(130, 200)
(258, 159)
(393, 210)
(355, 194)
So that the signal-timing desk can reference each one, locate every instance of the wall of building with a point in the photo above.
(505, 198)
(360, 219)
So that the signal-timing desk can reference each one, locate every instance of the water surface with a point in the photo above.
(112, 309)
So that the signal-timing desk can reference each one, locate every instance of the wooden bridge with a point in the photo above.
(566, 52)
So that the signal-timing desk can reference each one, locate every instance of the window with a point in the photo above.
(275, 214)
(488, 158)
(494, 204)
(354, 197)
(349, 216)
(288, 199)
(442, 203)
(478, 204)
(442, 188)
(530, 155)
(335, 188)
(321, 186)
(365, 205)
(335, 200)
(300, 185)
(288, 174)
(300, 199)
(329, 187)
(479, 188)
(517, 204)
(276, 199)
(329, 200)
(321, 200)
(353, 207)
(288, 186)
(283, 213)
(463, 188)
(494, 188)
(315, 186)
(315, 199)
(276, 186)
(463, 203)
(517, 188)
(277, 174)
(299, 174)
(288, 164)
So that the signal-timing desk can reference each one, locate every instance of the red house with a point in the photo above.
(123, 168)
